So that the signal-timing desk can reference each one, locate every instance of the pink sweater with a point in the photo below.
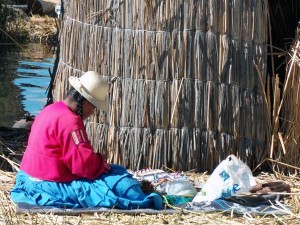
(58, 147)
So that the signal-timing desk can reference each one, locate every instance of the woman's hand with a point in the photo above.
(147, 186)
(106, 167)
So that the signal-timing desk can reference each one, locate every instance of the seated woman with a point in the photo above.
(59, 167)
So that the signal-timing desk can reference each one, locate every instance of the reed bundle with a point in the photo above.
(287, 113)
(184, 90)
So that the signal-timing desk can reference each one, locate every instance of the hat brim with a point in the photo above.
(102, 104)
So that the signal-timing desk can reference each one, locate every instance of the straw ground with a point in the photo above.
(8, 213)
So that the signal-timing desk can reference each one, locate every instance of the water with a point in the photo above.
(24, 79)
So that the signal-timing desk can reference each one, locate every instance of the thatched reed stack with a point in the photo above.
(286, 140)
(184, 90)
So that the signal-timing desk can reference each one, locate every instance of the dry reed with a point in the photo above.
(286, 119)
(185, 91)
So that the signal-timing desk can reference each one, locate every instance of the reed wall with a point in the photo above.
(184, 88)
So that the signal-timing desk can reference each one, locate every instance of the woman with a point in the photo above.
(59, 167)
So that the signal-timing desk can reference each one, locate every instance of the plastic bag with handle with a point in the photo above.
(231, 177)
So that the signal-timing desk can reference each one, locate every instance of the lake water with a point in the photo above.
(24, 79)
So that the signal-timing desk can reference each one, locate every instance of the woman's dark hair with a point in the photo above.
(77, 97)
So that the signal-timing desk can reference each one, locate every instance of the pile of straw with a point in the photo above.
(286, 131)
(185, 86)
(20, 28)
(43, 29)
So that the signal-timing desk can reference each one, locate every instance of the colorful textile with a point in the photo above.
(58, 147)
(116, 189)
(176, 199)
(161, 180)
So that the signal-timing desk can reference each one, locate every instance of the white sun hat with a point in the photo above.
(93, 87)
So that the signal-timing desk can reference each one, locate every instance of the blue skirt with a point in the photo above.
(116, 189)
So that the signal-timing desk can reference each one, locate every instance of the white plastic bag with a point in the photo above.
(181, 188)
(231, 177)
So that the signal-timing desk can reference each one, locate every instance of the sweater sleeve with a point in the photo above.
(79, 156)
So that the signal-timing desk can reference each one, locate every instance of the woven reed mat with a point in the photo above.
(219, 205)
